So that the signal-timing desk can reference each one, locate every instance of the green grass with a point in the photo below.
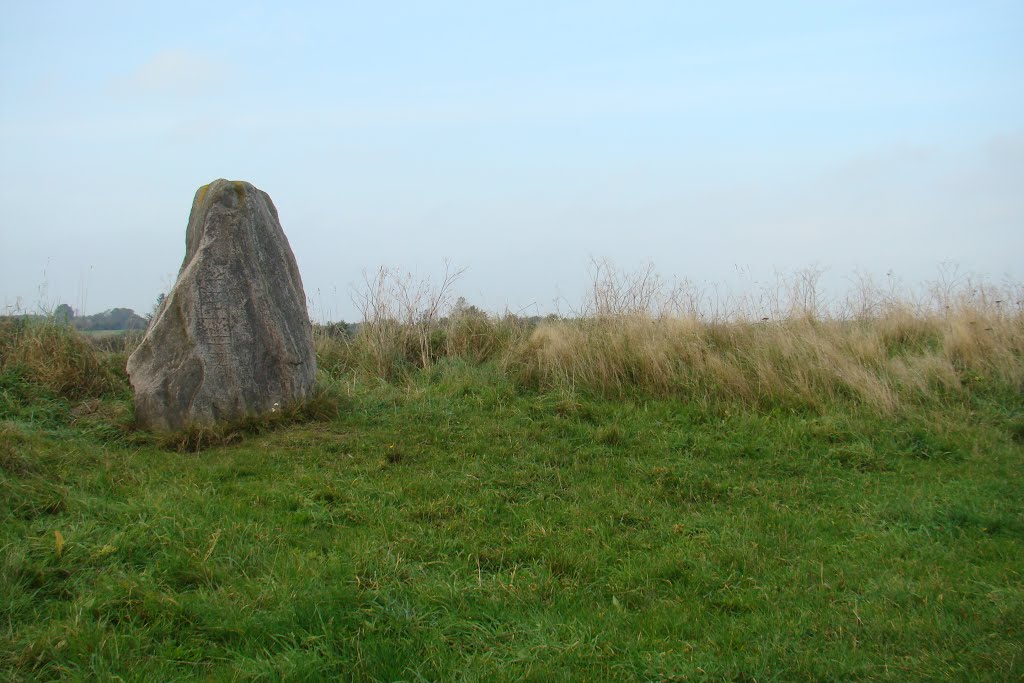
(455, 525)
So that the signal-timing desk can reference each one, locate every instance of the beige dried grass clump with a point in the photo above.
(786, 345)
(54, 355)
(652, 338)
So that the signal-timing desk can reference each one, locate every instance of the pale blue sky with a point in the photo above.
(518, 139)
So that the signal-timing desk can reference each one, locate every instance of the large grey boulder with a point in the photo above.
(232, 338)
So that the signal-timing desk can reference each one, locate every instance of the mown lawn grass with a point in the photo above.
(456, 526)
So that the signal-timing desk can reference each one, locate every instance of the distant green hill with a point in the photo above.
(114, 319)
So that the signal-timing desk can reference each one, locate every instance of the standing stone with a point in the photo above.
(232, 338)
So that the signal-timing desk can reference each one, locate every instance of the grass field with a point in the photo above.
(520, 504)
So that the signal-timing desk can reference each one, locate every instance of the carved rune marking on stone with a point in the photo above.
(215, 319)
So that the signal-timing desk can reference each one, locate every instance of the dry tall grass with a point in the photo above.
(401, 315)
(56, 356)
(409, 324)
(784, 346)
(882, 351)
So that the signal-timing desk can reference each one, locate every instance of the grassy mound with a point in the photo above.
(57, 358)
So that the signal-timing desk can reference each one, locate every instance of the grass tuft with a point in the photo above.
(56, 357)
(326, 404)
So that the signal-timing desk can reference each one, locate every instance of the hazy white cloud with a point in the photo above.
(175, 73)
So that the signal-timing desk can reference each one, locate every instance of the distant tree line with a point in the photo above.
(114, 319)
